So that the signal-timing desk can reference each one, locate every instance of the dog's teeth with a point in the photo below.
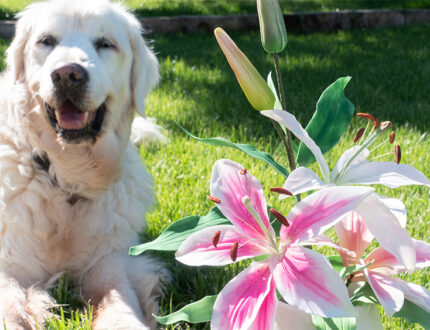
(85, 117)
(57, 116)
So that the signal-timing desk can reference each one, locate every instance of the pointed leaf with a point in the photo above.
(329, 122)
(364, 295)
(197, 312)
(336, 262)
(414, 314)
(173, 236)
(246, 148)
(339, 323)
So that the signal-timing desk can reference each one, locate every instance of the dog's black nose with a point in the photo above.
(69, 75)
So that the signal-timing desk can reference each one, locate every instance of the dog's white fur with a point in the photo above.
(84, 213)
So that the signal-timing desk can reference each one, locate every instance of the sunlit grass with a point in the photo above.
(390, 71)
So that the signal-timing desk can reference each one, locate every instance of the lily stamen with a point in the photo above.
(376, 124)
(367, 116)
(280, 217)
(380, 156)
(243, 171)
(385, 125)
(359, 134)
(398, 153)
(381, 144)
(246, 201)
(214, 199)
(215, 238)
(281, 191)
(233, 251)
(392, 137)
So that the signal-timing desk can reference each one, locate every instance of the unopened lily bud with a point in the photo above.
(272, 26)
(252, 83)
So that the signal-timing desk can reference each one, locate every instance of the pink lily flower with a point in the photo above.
(303, 277)
(390, 291)
(382, 215)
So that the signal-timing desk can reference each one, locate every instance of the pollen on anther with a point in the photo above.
(392, 137)
(359, 135)
(233, 251)
(279, 216)
(215, 238)
(243, 171)
(214, 199)
(398, 153)
(367, 116)
(281, 191)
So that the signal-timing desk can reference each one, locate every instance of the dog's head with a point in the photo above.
(85, 64)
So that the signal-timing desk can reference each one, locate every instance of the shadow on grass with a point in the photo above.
(389, 67)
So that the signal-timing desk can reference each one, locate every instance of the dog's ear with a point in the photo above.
(144, 70)
(15, 52)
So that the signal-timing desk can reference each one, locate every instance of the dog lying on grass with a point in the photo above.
(73, 191)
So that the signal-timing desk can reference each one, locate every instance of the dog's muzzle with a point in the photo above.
(70, 121)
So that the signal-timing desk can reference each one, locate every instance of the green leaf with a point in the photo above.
(346, 271)
(414, 314)
(246, 148)
(199, 311)
(173, 236)
(330, 120)
(338, 323)
(364, 295)
(336, 262)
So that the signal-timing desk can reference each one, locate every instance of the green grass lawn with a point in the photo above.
(218, 7)
(390, 72)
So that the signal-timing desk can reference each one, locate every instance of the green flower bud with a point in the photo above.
(272, 26)
(256, 90)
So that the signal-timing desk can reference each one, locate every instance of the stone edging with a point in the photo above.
(297, 22)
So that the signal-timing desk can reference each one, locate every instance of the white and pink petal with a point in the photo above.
(199, 250)
(247, 302)
(415, 293)
(302, 180)
(345, 160)
(396, 207)
(388, 291)
(390, 174)
(386, 263)
(354, 236)
(320, 211)
(306, 280)
(290, 122)
(287, 315)
(323, 240)
(230, 183)
(386, 229)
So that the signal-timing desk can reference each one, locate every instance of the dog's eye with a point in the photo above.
(48, 41)
(103, 43)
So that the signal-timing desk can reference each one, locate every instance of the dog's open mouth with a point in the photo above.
(74, 125)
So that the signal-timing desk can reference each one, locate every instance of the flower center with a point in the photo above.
(364, 141)
(271, 243)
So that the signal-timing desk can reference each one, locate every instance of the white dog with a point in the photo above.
(73, 192)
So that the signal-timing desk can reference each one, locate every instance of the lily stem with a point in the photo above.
(287, 142)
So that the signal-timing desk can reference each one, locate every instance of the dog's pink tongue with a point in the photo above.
(70, 117)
